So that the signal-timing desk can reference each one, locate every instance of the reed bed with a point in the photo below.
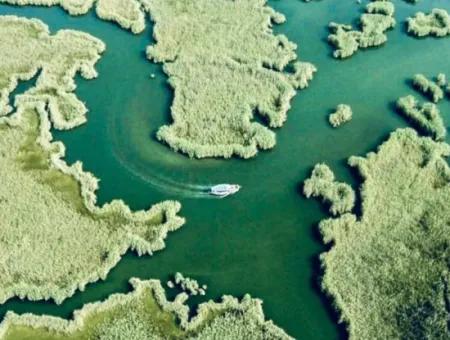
(436, 23)
(225, 66)
(374, 23)
(428, 87)
(342, 115)
(441, 80)
(54, 239)
(126, 13)
(187, 284)
(145, 314)
(387, 270)
(27, 48)
(426, 117)
(340, 197)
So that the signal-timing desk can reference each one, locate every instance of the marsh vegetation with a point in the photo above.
(226, 47)
(340, 197)
(54, 238)
(343, 114)
(428, 87)
(187, 284)
(27, 48)
(126, 13)
(436, 23)
(387, 271)
(146, 313)
(374, 24)
(426, 117)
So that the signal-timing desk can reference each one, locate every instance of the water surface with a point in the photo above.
(264, 240)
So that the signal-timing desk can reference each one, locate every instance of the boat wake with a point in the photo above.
(152, 176)
(164, 184)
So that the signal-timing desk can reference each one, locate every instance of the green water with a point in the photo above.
(264, 240)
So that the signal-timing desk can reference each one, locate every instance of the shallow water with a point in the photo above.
(264, 240)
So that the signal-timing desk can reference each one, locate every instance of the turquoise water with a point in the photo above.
(264, 240)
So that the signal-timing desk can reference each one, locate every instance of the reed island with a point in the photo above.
(374, 23)
(227, 47)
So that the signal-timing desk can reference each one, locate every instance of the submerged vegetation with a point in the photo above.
(388, 270)
(54, 238)
(227, 47)
(127, 13)
(146, 313)
(374, 24)
(339, 196)
(427, 116)
(436, 23)
(342, 115)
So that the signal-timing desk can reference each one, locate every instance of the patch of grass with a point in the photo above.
(27, 47)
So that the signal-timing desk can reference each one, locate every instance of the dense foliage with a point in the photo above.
(54, 239)
(146, 314)
(225, 66)
(374, 24)
(127, 13)
(388, 270)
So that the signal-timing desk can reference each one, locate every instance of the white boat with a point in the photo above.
(223, 190)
